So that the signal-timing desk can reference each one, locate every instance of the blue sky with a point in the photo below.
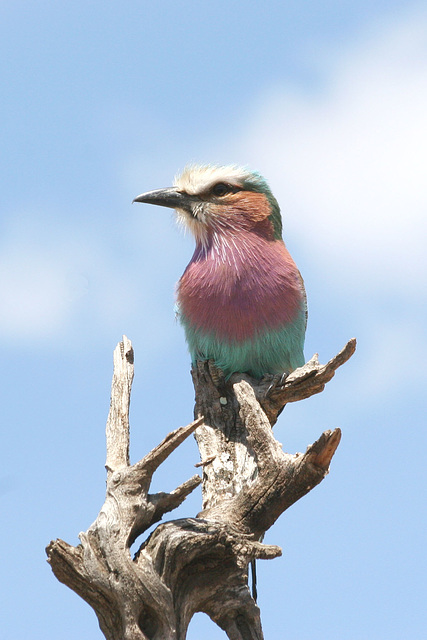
(102, 101)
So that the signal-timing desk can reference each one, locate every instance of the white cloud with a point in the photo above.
(349, 163)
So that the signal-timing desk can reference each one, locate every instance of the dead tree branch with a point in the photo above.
(194, 564)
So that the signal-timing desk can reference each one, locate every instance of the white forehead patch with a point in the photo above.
(196, 179)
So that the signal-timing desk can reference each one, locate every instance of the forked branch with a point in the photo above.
(194, 564)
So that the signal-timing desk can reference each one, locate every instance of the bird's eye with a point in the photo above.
(221, 189)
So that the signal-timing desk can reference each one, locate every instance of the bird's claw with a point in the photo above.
(277, 381)
(217, 374)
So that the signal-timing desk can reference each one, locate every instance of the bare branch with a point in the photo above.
(66, 561)
(320, 453)
(117, 430)
(154, 459)
(157, 504)
(194, 564)
(312, 377)
(165, 502)
(301, 383)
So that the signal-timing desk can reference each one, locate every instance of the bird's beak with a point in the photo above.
(167, 198)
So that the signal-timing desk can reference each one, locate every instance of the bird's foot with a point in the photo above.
(217, 375)
(276, 381)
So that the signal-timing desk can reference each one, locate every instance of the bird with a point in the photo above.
(241, 298)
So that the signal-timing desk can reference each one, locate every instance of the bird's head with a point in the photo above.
(212, 199)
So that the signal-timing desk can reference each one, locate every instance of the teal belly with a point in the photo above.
(268, 352)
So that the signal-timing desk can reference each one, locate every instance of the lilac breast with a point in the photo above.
(239, 287)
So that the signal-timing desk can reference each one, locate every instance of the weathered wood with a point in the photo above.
(234, 412)
(194, 564)
(302, 383)
(117, 430)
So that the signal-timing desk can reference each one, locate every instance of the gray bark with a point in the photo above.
(194, 564)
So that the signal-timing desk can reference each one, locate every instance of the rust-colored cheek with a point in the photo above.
(255, 206)
(244, 210)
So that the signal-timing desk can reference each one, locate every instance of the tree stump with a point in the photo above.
(195, 564)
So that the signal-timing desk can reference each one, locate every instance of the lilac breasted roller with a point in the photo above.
(241, 298)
